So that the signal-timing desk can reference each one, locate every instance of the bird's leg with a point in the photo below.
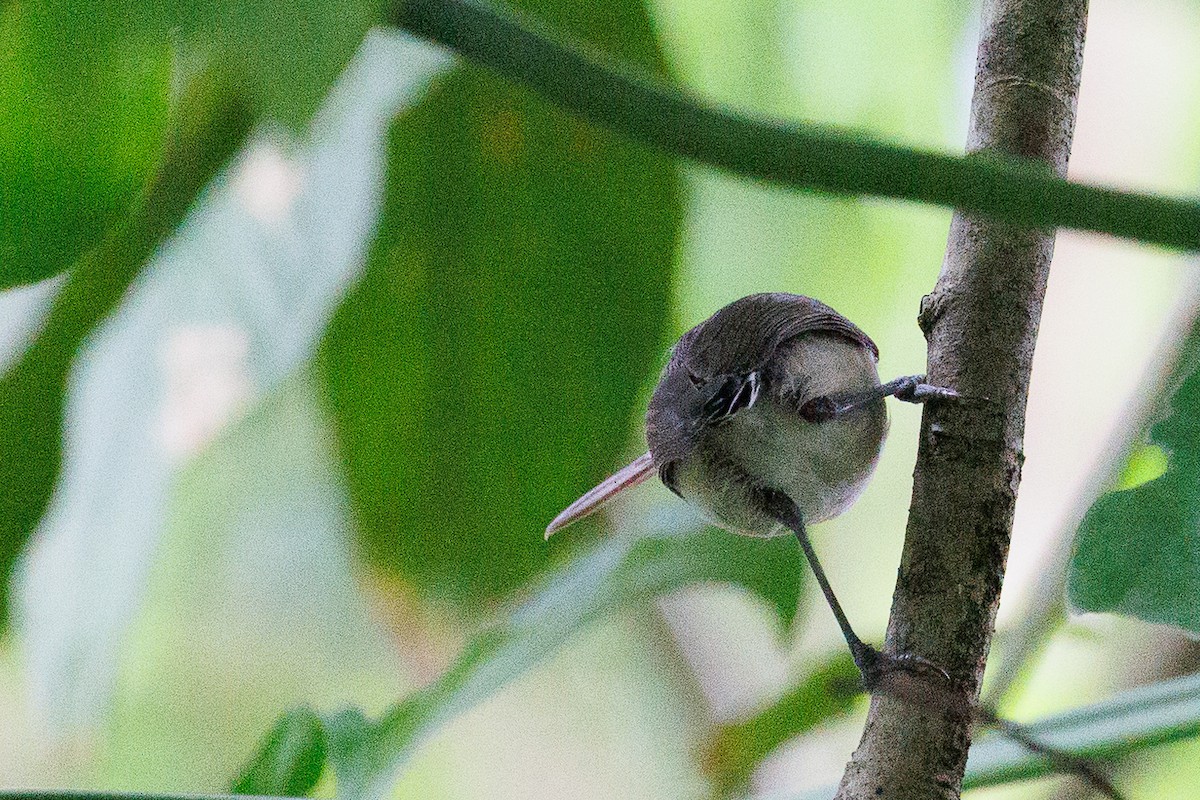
(872, 664)
(910, 389)
(875, 666)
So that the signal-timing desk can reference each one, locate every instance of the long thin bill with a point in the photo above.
(630, 476)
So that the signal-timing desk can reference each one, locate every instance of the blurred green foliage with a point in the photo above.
(527, 275)
(250, 608)
(1145, 463)
(228, 310)
(287, 54)
(210, 126)
(737, 749)
(624, 571)
(85, 89)
(75, 146)
(291, 759)
(1137, 551)
(483, 373)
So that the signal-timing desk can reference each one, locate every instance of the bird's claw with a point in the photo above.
(875, 666)
(916, 390)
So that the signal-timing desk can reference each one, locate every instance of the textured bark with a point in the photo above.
(981, 323)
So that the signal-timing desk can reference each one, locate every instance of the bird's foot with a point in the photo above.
(910, 389)
(878, 667)
(914, 389)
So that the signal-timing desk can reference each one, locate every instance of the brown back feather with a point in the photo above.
(743, 335)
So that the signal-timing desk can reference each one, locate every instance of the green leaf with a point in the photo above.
(291, 759)
(238, 301)
(1137, 551)
(485, 371)
(1143, 717)
(210, 127)
(74, 154)
(288, 52)
(621, 572)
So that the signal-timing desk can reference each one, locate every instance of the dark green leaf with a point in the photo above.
(618, 573)
(486, 370)
(73, 153)
(288, 52)
(291, 759)
(1137, 551)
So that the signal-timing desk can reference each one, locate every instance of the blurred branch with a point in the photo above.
(211, 121)
(997, 184)
(981, 323)
(1139, 718)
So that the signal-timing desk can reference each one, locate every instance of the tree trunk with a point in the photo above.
(981, 323)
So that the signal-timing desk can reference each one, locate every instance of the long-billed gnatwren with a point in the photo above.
(769, 417)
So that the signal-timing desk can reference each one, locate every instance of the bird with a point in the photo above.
(769, 417)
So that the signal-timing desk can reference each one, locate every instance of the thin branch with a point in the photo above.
(1134, 720)
(1059, 760)
(981, 322)
(802, 156)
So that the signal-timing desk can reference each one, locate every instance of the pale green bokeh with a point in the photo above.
(1145, 463)
(252, 607)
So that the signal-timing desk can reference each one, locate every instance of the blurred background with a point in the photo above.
(303, 462)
